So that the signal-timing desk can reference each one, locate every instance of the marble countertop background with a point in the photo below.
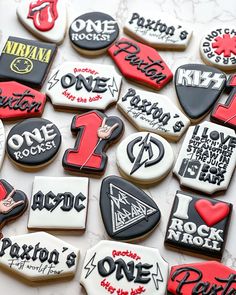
(201, 15)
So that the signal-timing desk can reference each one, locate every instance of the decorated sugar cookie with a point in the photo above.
(207, 158)
(121, 268)
(83, 86)
(2, 143)
(198, 225)
(149, 111)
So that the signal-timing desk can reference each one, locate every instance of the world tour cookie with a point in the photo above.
(26, 61)
(198, 225)
(83, 86)
(198, 87)
(46, 19)
(95, 132)
(140, 63)
(144, 157)
(225, 114)
(149, 111)
(120, 268)
(38, 256)
(207, 158)
(59, 203)
(2, 143)
(158, 30)
(218, 48)
(209, 277)
(128, 212)
(92, 33)
(33, 143)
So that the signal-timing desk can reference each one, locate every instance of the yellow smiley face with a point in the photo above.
(21, 65)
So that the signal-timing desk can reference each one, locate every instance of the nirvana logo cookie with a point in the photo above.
(153, 112)
(38, 256)
(26, 61)
(59, 203)
(140, 63)
(159, 31)
(198, 225)
(198, 87)
(95, 132)
(207, 158)
(33, 142)
(218, 48)
(127, 212)
(120, 268)
(202, 278)
(85, 86)
(2, 143)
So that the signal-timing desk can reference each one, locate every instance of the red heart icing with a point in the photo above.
(211, 213)
(3, 192)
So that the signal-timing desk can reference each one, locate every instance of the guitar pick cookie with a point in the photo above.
(2, 143)
(121, 268)
(144, 157)
(207, 158)
(198, 225)
(46, 19)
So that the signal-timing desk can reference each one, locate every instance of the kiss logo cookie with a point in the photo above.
(2, 143)
(207, 158)
(128, 212)
(218, 48)
(140, 63)
(149, 111)
(92, 33)
(158, 30)
(46, 19)
(95, 131)
(120, 268)
(59, 203)
(33, 143)
(209, 277)
(83, 86)
(144, 157)
(198, 225)
(26, 61)
(198, 87)
(38, 256)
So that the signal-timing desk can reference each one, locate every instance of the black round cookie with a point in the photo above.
(92, 33)
(33, 142)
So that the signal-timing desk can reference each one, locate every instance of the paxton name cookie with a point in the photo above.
(83, 86)
(120, 268)
(207, 158)
(198, 225)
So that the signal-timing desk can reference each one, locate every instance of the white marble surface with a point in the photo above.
(200, 14)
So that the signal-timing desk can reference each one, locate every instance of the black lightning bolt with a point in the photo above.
(90, 266)
(157, 277)
(113, 87)
(53, 81)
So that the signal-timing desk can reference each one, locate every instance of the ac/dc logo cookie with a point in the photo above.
(121, 268)
(198, 225)
(95, 131)
(83, 86)
(140, 63)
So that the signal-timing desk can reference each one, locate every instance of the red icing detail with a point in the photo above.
(140, 63)
(3, 192)
(225, 44)
(211, 213)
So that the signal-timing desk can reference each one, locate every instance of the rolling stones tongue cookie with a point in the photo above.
(140, 63)
(2, 143)
(120, 268)
(46, 19)
(144, 157)
(33, 143)
(59, 203)
(149, 111)
(158, 30)
(198, 225)
(207, 158)
(198, 87)
(92, 33)
(218, 48)
(38, 256)
(95, 131)
(128, 212)
(83, 86)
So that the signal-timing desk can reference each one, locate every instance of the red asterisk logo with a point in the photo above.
(225, 45)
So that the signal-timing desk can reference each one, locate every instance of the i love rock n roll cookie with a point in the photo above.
(198, 225)
(121, 268)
